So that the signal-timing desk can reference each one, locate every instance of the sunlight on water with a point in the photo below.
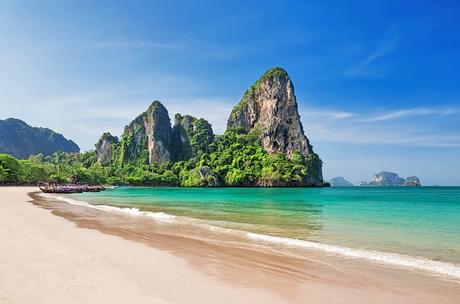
(423, 222)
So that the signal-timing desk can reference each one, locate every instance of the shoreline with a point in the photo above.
(437, 268)
(158, 261)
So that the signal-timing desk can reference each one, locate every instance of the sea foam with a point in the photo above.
(122, 210)
(438, 268)
(394, 259)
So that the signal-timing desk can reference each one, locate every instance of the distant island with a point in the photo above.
(391, 179)
(21, 140)
(264, 145)
(340, 181)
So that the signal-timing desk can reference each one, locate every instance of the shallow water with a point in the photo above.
(415, 222)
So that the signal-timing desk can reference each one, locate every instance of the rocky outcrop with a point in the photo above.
(339, 181)
(150, 139)
(105, 147)
(390, 179)
(386, 178)
(180, 136)
(412, 181)
(20, 140)
(269, 107)
(264, 144)
(190, 136)
(147, 138)
(208, 177)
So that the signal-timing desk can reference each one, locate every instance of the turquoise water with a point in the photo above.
(423, 223)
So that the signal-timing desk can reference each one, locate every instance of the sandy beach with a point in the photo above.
(52, 252)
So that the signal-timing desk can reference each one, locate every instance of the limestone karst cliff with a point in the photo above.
(270, 107)
(104, 148)
(190, 136)
(147, 138)
(264, 144)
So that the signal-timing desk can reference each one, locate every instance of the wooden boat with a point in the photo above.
(69, 188)
(61, 190)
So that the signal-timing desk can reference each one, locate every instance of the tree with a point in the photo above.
(3, 174)
(32, 173)
(11, 167)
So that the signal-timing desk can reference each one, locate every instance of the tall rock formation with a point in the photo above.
(150, 139)
(270, 107)
(180, 136)
(105, 147)
(268, 115)
(190, 136)
(21, 140)
(147, 138)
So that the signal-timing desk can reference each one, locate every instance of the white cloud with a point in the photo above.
(411, 112)
(332, 114)
(386, 47)
(400, 127)
(127, 44)
(366, 66)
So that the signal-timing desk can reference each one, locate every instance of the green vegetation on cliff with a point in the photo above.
(234, 159)
(276, 71)
(190, 137)
(271, 151)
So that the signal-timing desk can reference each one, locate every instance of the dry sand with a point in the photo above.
(72, 255)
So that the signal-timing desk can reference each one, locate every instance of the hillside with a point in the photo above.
(20, 140)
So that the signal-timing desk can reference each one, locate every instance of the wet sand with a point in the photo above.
(54, 252)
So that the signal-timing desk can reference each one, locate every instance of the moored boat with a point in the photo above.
(68, 188)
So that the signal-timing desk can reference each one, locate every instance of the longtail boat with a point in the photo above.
(69, 188)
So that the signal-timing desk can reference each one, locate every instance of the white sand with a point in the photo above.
(47, 259)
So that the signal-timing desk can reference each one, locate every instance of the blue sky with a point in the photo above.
(377, 81)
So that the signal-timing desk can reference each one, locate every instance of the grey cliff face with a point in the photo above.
(190, 136)
(181, 142)
(386, 178)
(158, 129)
(270, 107)
(148, 137)
(412, 181)
(104, 148)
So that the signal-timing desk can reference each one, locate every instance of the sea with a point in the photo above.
(409, 227)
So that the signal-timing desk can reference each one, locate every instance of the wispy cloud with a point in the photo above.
(399, 127)
(383, 49)
(366, 66)
(411, 112)
(331, 114)
(127, 44)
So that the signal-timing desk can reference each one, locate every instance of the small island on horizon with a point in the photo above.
(381, 179)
